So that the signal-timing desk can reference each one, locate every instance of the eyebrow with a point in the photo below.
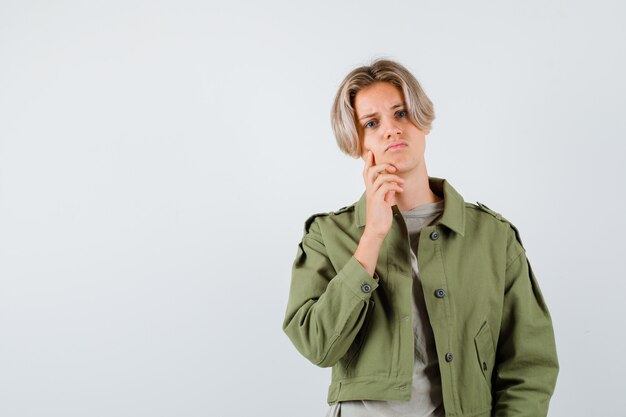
(395, 106)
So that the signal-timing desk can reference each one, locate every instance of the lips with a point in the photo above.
(396, 145)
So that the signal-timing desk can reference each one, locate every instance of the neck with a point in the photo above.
(416, 192)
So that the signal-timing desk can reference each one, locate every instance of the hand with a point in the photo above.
(381, 187)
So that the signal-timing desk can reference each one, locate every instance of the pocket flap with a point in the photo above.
(485, 350)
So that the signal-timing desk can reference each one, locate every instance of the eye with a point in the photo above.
(401, 113)
(368, 124)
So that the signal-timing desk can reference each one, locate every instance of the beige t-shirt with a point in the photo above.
(426, 398)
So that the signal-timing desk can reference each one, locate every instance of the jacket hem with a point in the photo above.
(383, 389)
(372, 388)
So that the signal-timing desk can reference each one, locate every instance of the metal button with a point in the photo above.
(434, 235)
(440, 293)
(365, 287)
(449, 357)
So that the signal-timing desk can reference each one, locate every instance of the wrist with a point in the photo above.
(372, 236)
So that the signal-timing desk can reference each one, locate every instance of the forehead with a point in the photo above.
(376, 97)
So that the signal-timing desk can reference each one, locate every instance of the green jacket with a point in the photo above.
(493, 332)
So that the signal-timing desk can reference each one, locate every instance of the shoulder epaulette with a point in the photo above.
(488, 210)
(307, 222)
(341, 210)
(500, 217)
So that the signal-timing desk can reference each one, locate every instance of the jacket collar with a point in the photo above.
(453, 212)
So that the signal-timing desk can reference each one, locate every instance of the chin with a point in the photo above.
(405, 166)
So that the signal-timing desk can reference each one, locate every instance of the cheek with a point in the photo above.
(368, 142)
(368, 145)
(364, 144)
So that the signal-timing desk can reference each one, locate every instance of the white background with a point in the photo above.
(158, 160)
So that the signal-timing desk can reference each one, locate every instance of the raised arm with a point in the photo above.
(326, 308)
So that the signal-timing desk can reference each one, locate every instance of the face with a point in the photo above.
(383, 121)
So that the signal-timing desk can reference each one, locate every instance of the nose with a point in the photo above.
(393, 129)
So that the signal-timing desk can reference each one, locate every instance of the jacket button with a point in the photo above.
(366, 287)
(484, 366)
(449, 357)
(440, 293)
(434, 235)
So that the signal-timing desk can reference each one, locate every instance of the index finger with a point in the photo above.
(369, 161)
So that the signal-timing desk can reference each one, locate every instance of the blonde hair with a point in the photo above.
(419, 107)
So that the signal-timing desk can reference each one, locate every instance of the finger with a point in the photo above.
(368, 163)
(383, 167)
(388, 186)
(371, 175)
(389, 195)
(387, 178)
(390, 177)
(383, 176)
(377, 170)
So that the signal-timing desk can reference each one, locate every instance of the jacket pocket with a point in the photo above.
(355, 348)
(485, 352)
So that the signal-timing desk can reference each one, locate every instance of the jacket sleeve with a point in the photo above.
(326, 308)
(526, 358)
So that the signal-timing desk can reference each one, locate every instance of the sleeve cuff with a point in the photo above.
(354, 276)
